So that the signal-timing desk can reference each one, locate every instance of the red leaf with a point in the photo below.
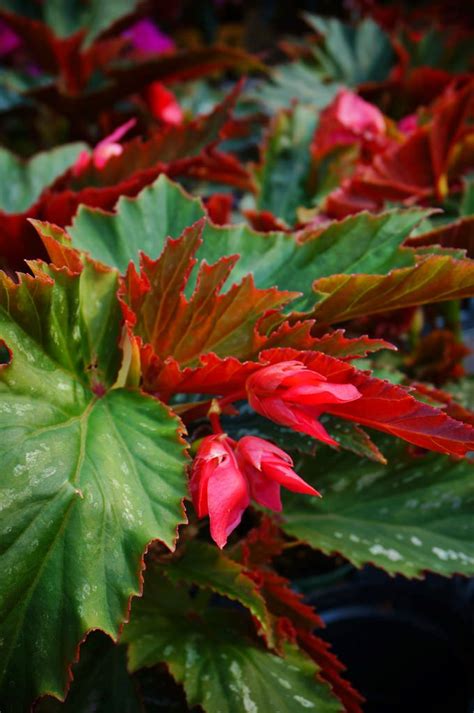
(384, 406)
(226, 324)
(458, 234)
(219, 207)
(264, 221)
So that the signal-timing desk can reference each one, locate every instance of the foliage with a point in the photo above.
(172, 357)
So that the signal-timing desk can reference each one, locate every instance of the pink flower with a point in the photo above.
(104, 150)
(225, 475)
(267, 468)
(9, 40)
(291, 394)
(163, 104)
(147, 38)
(348, 120)
(218, 487)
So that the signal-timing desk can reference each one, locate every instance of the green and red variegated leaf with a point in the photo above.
(384, 406)
(209, 321)
(409, 516)
(291, 616)
(90, 474)
(361, 244)
(22, 181)
(64, 21)
(58, 246)
(207, 567)
(352, 437)
(225, 375)
(166, 147)
(100, 680)
(214, 646)
(125, 78)
(458, 235)
(434, 279)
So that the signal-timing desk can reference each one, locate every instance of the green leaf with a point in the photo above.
(466, 207)
(412, 515)
(220, 667)
(101, 681)
(209, 568)
(283, 173)
(161, 210)
(362, 243)
(346, 57)
(295, 81)
(66, 19)
(90, 474)
(22, 182)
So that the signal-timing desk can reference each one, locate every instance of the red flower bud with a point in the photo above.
(291, 394)
(218, 487)
(267, 468)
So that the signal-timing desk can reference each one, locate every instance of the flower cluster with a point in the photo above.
(227, 475)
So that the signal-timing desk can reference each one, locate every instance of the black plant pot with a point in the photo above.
(408, 645)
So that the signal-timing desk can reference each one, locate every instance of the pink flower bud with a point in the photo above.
(218, 487)
(267, 468)
(293, 395)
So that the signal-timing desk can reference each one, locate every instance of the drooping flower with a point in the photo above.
(218, 487)
(267, 468)
(293, 395)
(226, 475)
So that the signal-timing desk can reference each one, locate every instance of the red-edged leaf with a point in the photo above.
(58, 245)
(337, 345)
(434, 279)
(386, 407)
(225, 324)
(458, 234)
(445, 400)
(226, 375)
(131, 77)
(292, 617)
(213, 375)
(168, 146)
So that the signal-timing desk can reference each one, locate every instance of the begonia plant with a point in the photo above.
(208, 361)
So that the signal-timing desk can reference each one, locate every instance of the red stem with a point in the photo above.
(215, 422)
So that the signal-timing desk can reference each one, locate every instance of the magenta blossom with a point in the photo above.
(291, 394)
(147, 38)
